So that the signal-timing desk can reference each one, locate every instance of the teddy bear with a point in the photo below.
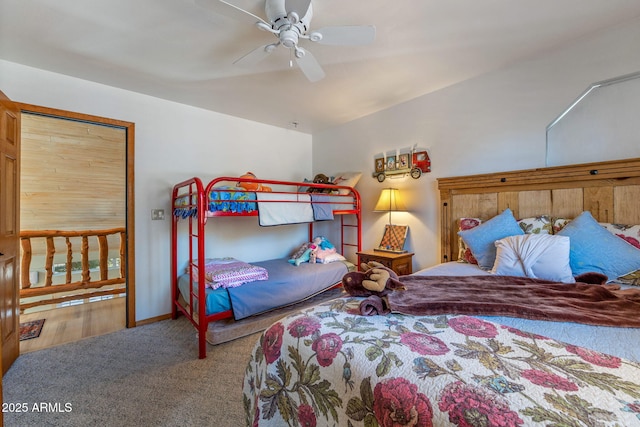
(320, 179)
(374, 279)
(252, 186)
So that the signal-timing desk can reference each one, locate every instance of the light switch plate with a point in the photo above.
(157, 214)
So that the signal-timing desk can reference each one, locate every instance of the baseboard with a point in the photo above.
(152, 320)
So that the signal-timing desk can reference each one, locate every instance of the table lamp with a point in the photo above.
(394, 235)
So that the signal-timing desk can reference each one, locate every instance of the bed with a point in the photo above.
(331, 365)
(234, 289)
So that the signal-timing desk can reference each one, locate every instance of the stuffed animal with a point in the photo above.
(301, 255)
(320, 179)
(323, 249)
(323, 243)
(374, 279)
(312, 252)
(252, 186)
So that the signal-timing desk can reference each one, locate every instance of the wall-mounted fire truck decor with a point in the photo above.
(414, 163)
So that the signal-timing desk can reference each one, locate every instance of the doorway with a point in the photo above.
(77, 174)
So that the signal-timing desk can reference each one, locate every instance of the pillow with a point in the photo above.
(632, 278)
(350, 179)
(303, 189)
(464, 253)
(536, 225)
(481, 239)
(559, 223)
(630, 233)
(333, 258)
(229, 272)
(595, 249)
(538, 256)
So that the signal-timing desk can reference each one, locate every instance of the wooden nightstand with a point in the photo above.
(402, 264)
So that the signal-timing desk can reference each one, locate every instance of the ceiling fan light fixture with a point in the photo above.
(289, 38)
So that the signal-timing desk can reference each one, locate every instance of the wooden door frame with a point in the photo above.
(9, 233)
(130, 200)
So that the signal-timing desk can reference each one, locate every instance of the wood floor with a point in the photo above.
(73, 323)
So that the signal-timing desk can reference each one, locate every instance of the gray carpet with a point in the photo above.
(145, 376)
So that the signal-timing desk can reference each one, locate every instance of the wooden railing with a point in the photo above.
(85, 283)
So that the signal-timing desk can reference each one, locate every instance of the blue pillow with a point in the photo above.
(593, 248)
(481, 239)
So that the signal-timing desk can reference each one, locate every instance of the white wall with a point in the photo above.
(491, 123)
(174, 142)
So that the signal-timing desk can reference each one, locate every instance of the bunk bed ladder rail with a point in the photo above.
(347, 226)
(196, 234)
(344, 226)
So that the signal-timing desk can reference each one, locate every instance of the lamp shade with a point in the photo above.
(390, 201)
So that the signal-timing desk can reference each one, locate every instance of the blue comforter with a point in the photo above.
(287, 284)
(231, 201)
(222, 199)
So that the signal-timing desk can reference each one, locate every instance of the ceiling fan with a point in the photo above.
(289, 21)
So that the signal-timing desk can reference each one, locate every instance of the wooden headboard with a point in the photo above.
(609, 190)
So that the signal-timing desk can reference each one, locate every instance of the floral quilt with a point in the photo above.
(330, 366)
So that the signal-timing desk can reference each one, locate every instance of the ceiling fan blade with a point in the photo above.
(229, 10)
(309, 66)
(298, 6)
(256, 55)
(346, 35)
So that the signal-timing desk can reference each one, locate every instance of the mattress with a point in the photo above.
(606, 339)
(287, 284)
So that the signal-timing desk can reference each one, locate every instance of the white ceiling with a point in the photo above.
(176, 50)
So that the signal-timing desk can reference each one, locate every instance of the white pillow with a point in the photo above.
(538, 256)
(333, 258)
(350, 179)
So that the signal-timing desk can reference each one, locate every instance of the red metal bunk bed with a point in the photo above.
(195, 203)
